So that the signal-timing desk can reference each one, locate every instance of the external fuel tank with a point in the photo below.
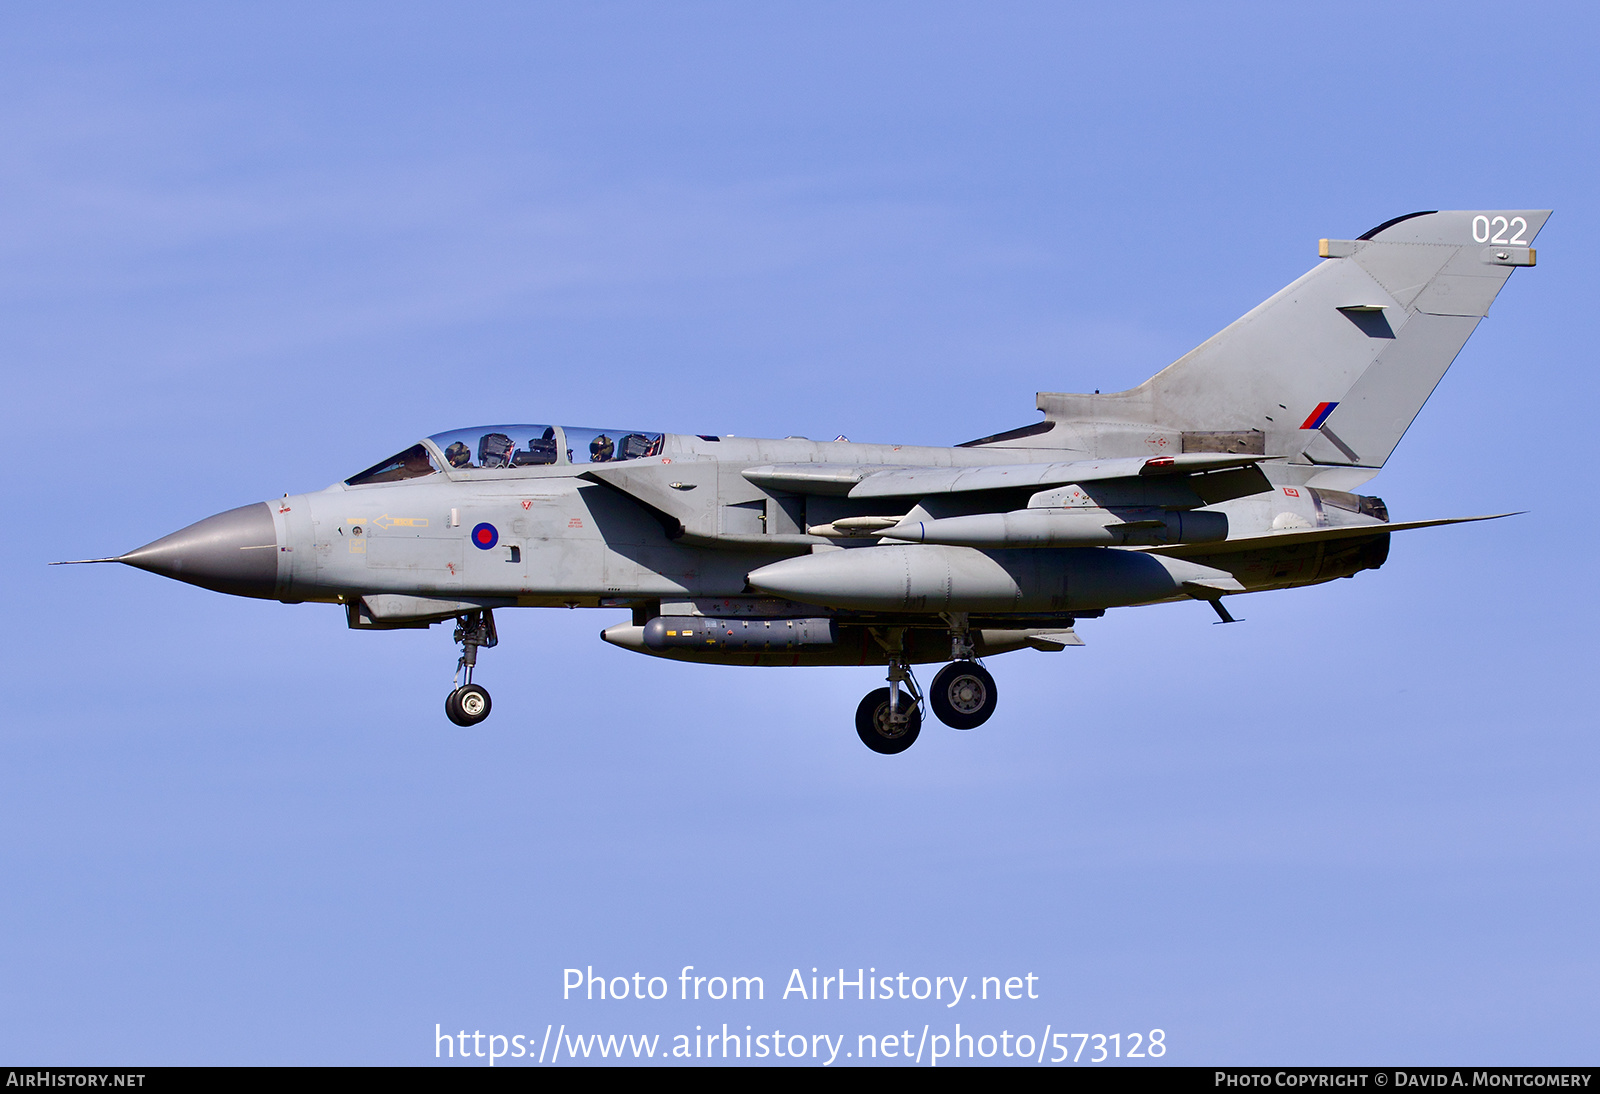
(937, 578)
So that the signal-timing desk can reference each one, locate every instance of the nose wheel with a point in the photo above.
(468, 703)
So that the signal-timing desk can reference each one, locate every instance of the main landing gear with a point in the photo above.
(888, 721)
(468, 704)
(963, 694)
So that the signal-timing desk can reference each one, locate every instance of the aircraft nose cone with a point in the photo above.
(234, 552)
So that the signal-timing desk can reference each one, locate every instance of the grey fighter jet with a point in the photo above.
(1233, 470)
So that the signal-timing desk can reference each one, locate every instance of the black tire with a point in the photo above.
(472, 704)
(963, 695)
(451, 711)
(876, 731)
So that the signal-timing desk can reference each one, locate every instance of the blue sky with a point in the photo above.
(249, 251)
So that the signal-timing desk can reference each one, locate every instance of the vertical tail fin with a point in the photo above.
(1332, 369)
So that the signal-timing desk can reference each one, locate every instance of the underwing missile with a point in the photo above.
(1077, 527)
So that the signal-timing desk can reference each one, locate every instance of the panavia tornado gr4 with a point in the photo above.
(1233, 470)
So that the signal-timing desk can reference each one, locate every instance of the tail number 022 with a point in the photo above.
(1486, 231)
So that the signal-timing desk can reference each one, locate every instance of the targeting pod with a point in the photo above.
(678, 632)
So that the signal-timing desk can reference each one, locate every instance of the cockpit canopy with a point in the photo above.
(497, 447)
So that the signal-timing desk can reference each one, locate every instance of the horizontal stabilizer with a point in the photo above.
(1053, 641)
(1211, 588)
(1309, 535)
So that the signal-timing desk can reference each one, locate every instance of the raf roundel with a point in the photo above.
(484, 536)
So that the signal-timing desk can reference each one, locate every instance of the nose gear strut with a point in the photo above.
(468, 703)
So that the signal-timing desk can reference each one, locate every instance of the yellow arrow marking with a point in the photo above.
(386, 521)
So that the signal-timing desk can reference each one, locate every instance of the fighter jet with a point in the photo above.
(1233, 470)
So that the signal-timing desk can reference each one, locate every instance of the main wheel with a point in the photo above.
(875, 729)
(963, 695)
(467, 706)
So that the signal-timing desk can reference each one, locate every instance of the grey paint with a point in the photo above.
(233, 552)
(1379, 407)
(925, 578)
(1316, 341)
(1196, 484)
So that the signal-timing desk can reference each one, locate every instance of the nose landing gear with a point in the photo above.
(468, 704)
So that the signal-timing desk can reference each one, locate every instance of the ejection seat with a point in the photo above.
(495, 449)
